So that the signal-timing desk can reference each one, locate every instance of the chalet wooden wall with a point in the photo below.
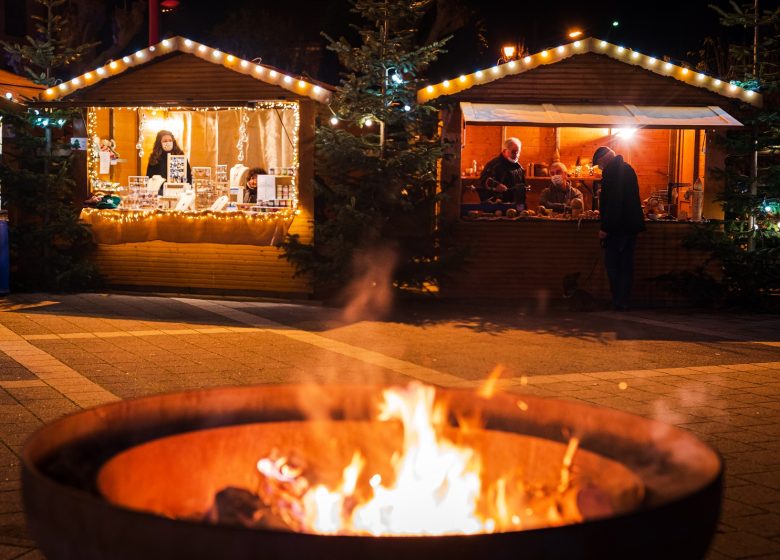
(513, 260)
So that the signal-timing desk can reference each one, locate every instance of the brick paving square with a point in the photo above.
(137, 345)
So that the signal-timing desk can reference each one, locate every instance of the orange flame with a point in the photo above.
(437, 487)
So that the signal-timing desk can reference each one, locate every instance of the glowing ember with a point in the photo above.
(436, 485)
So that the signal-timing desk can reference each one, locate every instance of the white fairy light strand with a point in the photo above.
(618, 52)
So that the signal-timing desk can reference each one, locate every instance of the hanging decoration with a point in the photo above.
(243, 137)
(140, 145)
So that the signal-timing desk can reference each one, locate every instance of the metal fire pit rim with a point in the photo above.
(56, 506)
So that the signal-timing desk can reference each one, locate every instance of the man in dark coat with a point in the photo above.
(621, 220)
(503, 178)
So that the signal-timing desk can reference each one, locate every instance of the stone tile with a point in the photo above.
(8, 552)
(744, 545)
(763, 524)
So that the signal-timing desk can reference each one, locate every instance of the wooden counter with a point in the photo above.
(529, 259)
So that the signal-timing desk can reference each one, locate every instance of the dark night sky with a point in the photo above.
(659, 27)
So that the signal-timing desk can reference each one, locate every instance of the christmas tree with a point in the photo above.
(49, 246)
(375, 184)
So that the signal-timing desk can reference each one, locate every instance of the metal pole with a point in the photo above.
(754, 159)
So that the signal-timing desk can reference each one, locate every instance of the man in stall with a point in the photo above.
(559, 196)
(621, 220)
(503, 179)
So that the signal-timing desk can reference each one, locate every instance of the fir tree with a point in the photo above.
(49, 246)
(749, 249)
(375, 185)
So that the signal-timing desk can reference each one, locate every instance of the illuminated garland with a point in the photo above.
(93, 163)
(137, 216)
(267, 74)
(93, 157)
(628, 56)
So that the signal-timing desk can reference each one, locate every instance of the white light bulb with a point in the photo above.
(126, 59)
(166, 43)
(272, 73)
(544, 54)
(202, 48)
(620, 49)
(216, 54)
(244, 64)
(368, 122)
(230, 58)
(63, 86)
(496, 69)
(561, 49)
(187, 43)
(700, 77)
(668, 66)
(750, 93)
(301, 83)
(101, 71)
(716, 83)
(577, 44)
(317, 89)
(259, 69)
(287, 80)
(407, 108)
(49, 91)
(151, 49)
(635, 55)
(478, 74)
(733, 87)
(527, 60)
(685, 71)
(462, 79)
(603, 44)
(334, 121)
(512, 64)
(88, 76)
(139, 54)
(446, 83)
(9, 95)
(76, 81)
(651, 61)
(429, 89)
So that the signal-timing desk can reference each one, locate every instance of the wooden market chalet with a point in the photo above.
(224, 111)
(562, 103)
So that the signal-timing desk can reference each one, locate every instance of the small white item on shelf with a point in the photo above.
(219, 204)
(238, 175)
(266, 187)
(154, 184)
(186, 201)
(177, 168)
(174, 189)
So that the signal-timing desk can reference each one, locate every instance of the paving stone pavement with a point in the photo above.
(715, 375)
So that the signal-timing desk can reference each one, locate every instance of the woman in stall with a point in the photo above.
(250, 195)
(164, 144)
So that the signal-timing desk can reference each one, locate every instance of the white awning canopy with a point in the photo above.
(599, 116)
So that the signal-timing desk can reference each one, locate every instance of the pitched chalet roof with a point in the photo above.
(589, 70)
(14, 87)
(181, 71)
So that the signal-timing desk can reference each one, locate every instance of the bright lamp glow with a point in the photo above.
(574, 34)
(508, 51)
(334, 121)
(625, 133)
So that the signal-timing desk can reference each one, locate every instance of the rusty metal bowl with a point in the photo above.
(70, 519)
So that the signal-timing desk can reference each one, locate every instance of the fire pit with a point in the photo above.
(139, 479)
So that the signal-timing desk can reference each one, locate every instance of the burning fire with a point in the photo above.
(437, 486)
